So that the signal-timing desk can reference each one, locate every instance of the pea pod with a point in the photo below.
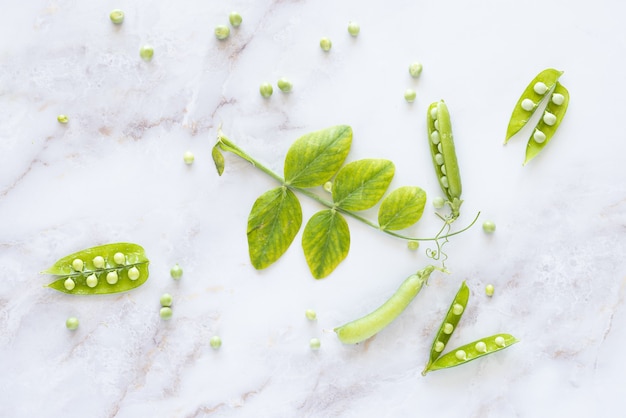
(530, 99)
(105, 269)
(550, 121)
(472, 351)
(369, 325)
(441, 144)
(450, 322)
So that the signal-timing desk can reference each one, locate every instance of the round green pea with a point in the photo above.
(188, 157)
(457, 309)
(284, 85)
(98, 262)
(415, 69)
(117, 16)
(165, 313)
(166, 300)
(266, 90)
(235, 19)
(119, 258)
(310, 314)
(176, 272)
(325, 44)
(112, 277)
(222, 32)
(69, 283)
(63, 119)
(410, 95)
(71, 323)
(315, 344)
(133, 273)
(438, 202)
(92, 280)
(78, 264)
(413, 245)
(489, 290)
(448, 328)
(489, 227)
(146, 52)
(354, 28)
(215, 342)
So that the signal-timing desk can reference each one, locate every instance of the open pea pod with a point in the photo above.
(472, 351)
(550, 121)
(110, 268)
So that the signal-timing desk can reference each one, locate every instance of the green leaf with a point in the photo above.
(314, 158)
(326, 242)
(402, 208)
(359, 185)
(218, 159)
(274, 221)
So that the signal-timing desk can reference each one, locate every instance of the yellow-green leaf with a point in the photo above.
(359, 185)
(402, 208)
(326, 242)
(314, 158)
(274, 221)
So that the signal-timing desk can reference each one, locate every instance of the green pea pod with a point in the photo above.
(441, 144)
(449, 324)
(369, 325)
(472, 351)
(547, 126)
(530, 99)
(105, 269)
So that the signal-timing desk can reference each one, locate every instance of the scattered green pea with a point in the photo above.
(413, 245)
(117, 16)
(415, 69)
(71, 323)
(284, 85)
(188, 157)
(438, 202)
(215, 342)
(315, 344)
(222, 32)
(354, 28)
(146, 52)
(410, 95)
(166, 300)
(119, 258)
(325, 44)
(176, 272)
(63, 119)
(489, 289)
(133, 273)
(235, 19)
(166, 313)
(310, 314)
(112, 277)
(489, 227)
(92, 280)
(266, 90)
(98, 262)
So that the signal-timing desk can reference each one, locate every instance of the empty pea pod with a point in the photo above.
(369, 325)
(110, 268)
(472, 351)
(441, 144)
(449, 324)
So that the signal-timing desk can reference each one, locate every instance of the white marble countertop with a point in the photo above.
(115, 173)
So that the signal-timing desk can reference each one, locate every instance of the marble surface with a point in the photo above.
(115, 173)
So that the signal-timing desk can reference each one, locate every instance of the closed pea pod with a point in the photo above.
(441, 144)
(472, 351)
(369, 325)
(110, 268)
(449, 324)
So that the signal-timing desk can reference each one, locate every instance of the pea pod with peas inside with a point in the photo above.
(105, 269)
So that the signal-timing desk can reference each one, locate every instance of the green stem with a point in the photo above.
(227, 145)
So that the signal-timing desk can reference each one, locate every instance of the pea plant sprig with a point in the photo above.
(312, 161)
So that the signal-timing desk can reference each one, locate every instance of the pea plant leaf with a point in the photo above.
(273, 223)
(402, 208)
(326, 242)
(314, 158)
(359, 185)
(218, 159)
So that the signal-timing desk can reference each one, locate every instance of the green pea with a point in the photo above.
(176, 272)
(444, 154)
(415, 69)
(146, 52)
(235, 19)
(438, 202)
(410, 95)
(315, 344)
(80, 273)
(472, 351)
(413, 245)
(222, 32)
(450, 322)
(117, 16)
(369, 325)
(166, 313)
(532, 95)
(489, 227)
(310, 314)
(166, 300)
(266, 90)
(284, 85)
(63, 119)
(489, 289)
(354, 28)
(71, 323)
(188, 157)
(215, 342)
(325, 44)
